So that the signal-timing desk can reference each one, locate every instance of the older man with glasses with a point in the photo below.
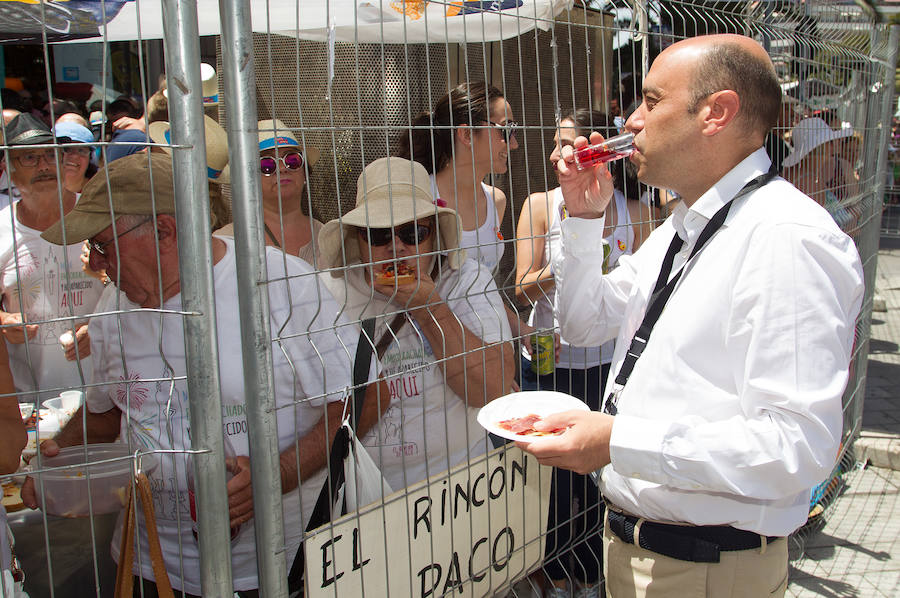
(311, 365)
(39, 282)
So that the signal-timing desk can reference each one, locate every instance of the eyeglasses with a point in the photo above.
(77, 151)
(33, 158)
(268, 165)
(410, 234)
(99, 246)
(508, 130)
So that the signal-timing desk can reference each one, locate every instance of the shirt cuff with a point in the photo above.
(583, 235)
(635, 447)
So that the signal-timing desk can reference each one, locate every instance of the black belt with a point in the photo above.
(699, 544)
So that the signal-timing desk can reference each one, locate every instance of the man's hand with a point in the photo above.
(126, 122)
(582, 448)
(240, 494)
(49, 448)
(587, 192)
(18, 330)
(81, 339)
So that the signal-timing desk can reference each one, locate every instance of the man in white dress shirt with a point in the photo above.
(732, 409)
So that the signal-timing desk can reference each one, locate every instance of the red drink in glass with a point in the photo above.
(608, 150)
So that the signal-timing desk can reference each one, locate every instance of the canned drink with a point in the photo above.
(543, 360)
(607, 249)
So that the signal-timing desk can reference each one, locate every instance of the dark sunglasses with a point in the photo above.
(410, 234)
(508, 130)
(268, 165)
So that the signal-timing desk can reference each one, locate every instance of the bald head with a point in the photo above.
(73, 117)
(740, 64)
(9, 114)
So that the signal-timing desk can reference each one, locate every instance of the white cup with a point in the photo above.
(73, 396)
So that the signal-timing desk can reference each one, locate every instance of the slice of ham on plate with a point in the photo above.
(513, 416)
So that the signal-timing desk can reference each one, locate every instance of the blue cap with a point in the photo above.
(73, 132)
(135, 136)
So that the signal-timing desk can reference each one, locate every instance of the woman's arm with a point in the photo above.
(642, 222)
(476, 370)
(534, 279)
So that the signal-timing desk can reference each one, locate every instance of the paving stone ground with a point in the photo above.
(857, 550)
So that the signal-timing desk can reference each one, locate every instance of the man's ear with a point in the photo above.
(720, 110)
(166, 232)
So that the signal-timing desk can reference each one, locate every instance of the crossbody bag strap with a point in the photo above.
(664, 287)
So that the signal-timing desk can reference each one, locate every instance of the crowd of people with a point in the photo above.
(708, 446)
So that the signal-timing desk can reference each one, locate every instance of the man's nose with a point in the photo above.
(635, 122)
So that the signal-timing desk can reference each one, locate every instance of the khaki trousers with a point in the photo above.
(635, 572)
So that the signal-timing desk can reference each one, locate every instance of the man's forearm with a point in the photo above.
(313, 449)
(101, 427)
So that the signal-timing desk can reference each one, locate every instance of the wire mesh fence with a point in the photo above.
(203, 361)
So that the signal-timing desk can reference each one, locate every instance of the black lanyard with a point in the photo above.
(664, 287)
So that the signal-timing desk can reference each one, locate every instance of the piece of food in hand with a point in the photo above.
(401, 275)
(524, 426)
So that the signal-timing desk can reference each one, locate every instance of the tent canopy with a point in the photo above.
(388, 21)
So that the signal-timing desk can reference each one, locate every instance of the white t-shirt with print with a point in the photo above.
(427, 427)
(302, 315)
(34, 279)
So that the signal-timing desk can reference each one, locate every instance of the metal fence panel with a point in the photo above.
(352, 103)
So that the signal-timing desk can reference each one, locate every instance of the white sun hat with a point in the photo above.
(809, 134)
(390, 192)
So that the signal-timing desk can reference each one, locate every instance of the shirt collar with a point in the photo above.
(689, 222)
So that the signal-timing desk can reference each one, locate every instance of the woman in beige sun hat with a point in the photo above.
(283, 164)
(442, 331)
(815, 167)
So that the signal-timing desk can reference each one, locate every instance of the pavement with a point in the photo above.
(854, 548)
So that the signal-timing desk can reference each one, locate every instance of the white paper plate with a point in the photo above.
(520, 404)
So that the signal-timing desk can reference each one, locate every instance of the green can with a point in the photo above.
(606, 251)
(543, 360)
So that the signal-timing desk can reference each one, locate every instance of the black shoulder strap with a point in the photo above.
(361, 366)
(340, 447)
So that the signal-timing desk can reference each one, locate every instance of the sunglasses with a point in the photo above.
(409, 234)
(268, 165)
(508, 130)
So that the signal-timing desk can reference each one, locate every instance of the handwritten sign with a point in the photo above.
(468, 532)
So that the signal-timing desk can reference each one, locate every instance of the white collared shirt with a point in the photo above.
(733, 412)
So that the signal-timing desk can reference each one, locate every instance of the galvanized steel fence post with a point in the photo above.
(256, 337)
(195, 260)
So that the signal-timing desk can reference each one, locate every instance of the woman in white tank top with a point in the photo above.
(579, 371)
(466, 137)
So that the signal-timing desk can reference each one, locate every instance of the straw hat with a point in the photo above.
(809, 134)
(274, 133)
(390, 192)
(216, 146)
(209, 81)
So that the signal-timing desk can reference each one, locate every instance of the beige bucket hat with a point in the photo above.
(216, 146)
(390, 192)
(809, 134)
(274, 133)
